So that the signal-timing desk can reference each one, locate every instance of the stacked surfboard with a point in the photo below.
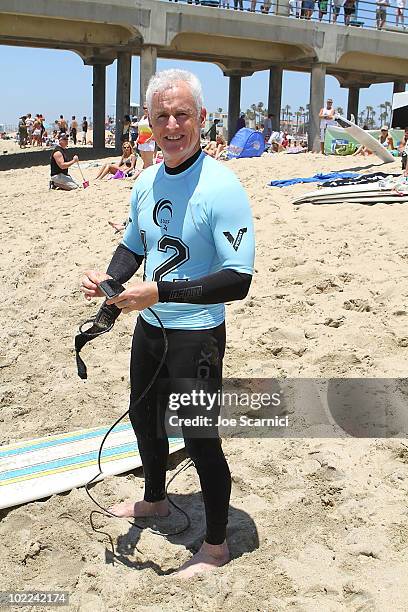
(371, 193)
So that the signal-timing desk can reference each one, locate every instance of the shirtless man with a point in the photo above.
(326, 115)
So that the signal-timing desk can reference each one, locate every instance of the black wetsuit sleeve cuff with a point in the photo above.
(124, 264)
(223, 286)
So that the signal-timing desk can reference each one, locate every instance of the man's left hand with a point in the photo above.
(136, 297)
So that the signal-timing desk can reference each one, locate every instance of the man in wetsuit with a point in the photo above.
(190, 222)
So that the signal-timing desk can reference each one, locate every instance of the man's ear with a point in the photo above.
(203, 115)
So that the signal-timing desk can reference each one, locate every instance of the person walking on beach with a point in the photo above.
(326, 115)
(73, 129)
(29, 123)
(63, 125)
(190, 222)
(212, 131)
(22, 132)
(60, 163)
(84, 130)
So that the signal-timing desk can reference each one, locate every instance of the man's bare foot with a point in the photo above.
(206, 559)
(140, 509)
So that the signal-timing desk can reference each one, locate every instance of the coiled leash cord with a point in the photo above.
(103, 322)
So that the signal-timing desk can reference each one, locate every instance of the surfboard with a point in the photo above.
(358, 188)
(41, 467)
(364, 138)
(371, 200)
(355, 192)
(377, 195)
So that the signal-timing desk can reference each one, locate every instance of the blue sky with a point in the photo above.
(55, 82)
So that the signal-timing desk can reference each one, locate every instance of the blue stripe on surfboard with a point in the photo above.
(63, 440)
(71, 461)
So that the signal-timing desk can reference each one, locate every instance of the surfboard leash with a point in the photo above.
(92, 333)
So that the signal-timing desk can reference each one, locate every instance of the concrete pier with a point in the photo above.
(275, 96)
(317, 79)
(352, 102)
(148, 62)
(123, 72)
(99, 104)
(234, 103)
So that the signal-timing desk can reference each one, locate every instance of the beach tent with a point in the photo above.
(246, 143)
(400, 110)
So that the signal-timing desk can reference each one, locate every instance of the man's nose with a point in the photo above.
(172, 121)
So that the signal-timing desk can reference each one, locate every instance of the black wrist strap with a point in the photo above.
(101, 323)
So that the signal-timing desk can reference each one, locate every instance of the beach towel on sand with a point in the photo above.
(317, 178)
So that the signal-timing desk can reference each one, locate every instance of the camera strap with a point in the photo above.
(101, 323)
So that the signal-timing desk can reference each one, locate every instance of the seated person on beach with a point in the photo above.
(126, 163)
(60, 179)
(276, 147)
(215, 148)
(385, 138)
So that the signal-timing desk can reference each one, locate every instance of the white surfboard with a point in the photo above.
(364, 138)
(379, 188)
(38, 468)
(325, 191)
(367, 199)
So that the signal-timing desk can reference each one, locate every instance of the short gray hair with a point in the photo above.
(166, 79)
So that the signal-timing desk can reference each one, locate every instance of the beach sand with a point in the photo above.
(315, 523)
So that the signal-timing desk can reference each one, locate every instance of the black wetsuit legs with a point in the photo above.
(189, 352)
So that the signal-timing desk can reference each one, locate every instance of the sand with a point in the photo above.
(315, 523)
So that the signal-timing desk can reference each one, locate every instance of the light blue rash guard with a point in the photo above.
(189, 225)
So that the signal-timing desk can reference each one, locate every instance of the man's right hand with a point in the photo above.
(75, 158)
(90, 283)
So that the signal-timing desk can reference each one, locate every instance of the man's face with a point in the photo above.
(329, 103)
(176, 124)
(63, 143)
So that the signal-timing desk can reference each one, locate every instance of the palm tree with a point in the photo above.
(371, 121)
(340, 110)
(289, 119)
(307, 114)
(286, 112)
(361, 118)
(369, 110)
(301, 112)
(254, 108)
(220, 110)
(261, 111)
(388, 107)
(382, 116)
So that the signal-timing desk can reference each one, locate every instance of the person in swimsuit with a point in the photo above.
(126, 163)
(145, 141)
